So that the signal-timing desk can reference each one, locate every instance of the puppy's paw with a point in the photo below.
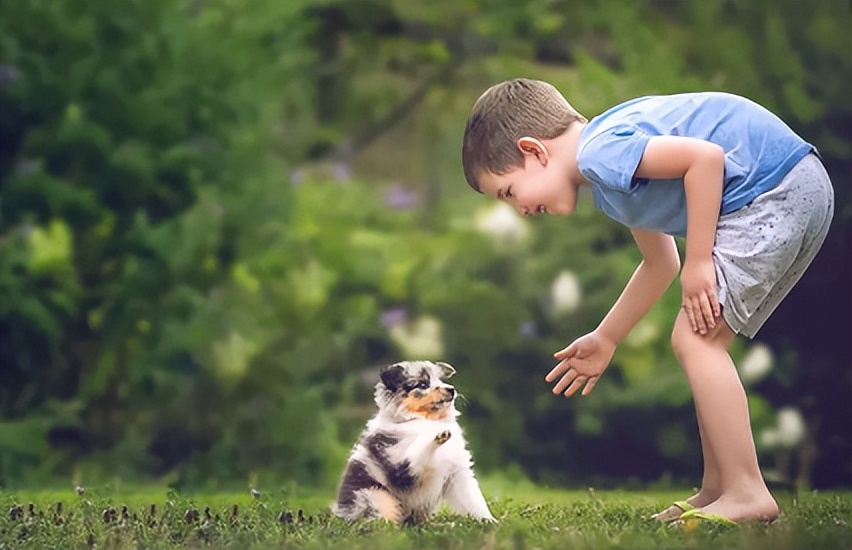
(442, 437)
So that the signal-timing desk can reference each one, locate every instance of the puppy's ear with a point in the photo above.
(446, 369)
(393, 377)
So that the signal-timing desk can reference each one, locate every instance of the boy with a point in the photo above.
(751, 199)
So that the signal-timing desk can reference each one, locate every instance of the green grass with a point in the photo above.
(529, 517)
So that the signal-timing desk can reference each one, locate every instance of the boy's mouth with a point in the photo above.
(537, 211)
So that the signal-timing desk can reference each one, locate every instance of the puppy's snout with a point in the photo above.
(451, 390)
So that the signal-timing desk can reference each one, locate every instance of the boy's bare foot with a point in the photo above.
(755, 508)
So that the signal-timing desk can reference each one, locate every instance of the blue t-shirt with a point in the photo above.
(759, 151)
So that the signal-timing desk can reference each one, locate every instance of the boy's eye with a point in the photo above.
(508, 192)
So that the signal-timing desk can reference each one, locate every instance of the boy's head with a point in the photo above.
(502, 115)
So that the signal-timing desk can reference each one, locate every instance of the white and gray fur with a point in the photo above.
(407, 462)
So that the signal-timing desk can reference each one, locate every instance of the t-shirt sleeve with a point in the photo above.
(611, 157)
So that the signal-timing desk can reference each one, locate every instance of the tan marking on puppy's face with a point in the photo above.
(433, 403)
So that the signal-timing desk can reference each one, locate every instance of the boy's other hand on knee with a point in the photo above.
(698, 287)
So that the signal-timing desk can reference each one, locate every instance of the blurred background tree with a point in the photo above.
(220, 219)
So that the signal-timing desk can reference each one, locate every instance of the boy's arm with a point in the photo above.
(582, 363)
(659, 266)
(701, 164)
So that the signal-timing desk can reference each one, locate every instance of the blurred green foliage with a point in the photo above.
(219, 219)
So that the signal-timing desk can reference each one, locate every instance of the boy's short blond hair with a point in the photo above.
(505, 113)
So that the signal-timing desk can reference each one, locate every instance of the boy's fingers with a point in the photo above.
(564, 382)
(707, 311)
(590, 385)
(714, 302)
(559, 386)
(566, 353)
(690, 316)
(561, 367)
(558, 370)
(698, 315)
(575, 385)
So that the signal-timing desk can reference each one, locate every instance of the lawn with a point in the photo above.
(529, 517)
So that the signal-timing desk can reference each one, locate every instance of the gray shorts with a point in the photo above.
(763, 248)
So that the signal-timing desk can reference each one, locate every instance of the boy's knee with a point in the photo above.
(681, 339)
(685, 341)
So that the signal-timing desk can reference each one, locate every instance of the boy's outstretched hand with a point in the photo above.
(581, 364)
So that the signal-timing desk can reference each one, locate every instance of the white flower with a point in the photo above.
(791, 427)
(644, 332)
(565, 293)
(419, 339)
(756, 364)
(789, 432)
(503, 224)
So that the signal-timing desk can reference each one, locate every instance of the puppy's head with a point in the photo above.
(416, 389)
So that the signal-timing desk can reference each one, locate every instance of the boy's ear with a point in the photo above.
(532, 146)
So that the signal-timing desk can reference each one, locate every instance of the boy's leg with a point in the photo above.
(804, 201)
(711, 487)
(722, 409)
(711, 484)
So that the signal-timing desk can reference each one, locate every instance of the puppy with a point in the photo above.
(412, 455)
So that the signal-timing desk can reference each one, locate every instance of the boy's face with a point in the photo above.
(541, 186)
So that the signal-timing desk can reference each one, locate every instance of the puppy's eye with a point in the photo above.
(423, 385)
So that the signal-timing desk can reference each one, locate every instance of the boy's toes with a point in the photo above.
(673, 512)
(669, 514)
(442, 437)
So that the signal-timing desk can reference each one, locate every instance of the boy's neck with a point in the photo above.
(566, 147)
